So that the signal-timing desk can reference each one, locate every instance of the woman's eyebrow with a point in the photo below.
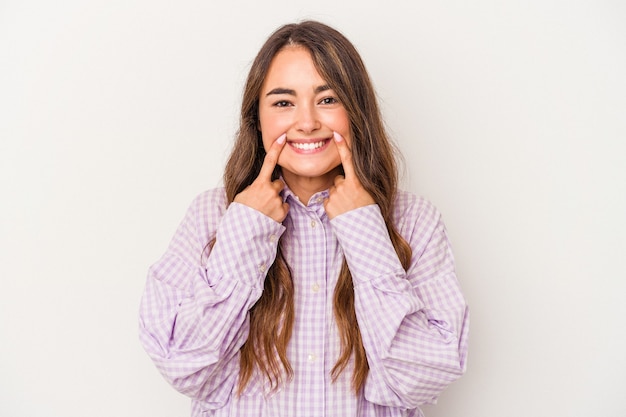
(322, 88)
(291, 92)
(281, 91)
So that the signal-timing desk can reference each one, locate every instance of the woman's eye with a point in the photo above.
(282, 103)
(329, 100)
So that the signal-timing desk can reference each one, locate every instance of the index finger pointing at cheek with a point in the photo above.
(345, 154)
(271, 158)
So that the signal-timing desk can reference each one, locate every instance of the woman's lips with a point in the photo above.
(308, 146)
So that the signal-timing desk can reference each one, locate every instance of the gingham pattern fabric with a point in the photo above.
(414, 324)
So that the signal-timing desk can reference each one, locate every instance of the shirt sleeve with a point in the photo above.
(414, 323)
(194, 315)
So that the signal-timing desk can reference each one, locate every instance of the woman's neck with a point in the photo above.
(305, 187)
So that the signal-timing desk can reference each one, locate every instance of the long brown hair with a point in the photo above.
(272, 317)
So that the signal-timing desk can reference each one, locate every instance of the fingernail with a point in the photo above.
(337, 137)
(281, 139)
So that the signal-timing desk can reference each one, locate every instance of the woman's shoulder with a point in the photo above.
(212, 198)
(406, 200)
(207, 208)
(410, 208)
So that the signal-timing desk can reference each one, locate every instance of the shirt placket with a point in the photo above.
(315, 304)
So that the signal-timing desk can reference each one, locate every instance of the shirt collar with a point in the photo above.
(316, 199)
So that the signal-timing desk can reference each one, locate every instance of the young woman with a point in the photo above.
(308, 285)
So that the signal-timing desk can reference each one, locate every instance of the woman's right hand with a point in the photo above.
(264, 194)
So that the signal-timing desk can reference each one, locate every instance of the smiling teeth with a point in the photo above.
(308, 146)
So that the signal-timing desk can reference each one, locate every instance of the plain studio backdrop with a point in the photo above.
(511, 117)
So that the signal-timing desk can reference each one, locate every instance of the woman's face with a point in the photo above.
(296, 100)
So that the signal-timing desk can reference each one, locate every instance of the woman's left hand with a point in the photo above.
(347, 193)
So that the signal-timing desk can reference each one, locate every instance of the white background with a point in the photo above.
(511, 115)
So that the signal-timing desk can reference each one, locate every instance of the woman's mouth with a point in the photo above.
(308, 146)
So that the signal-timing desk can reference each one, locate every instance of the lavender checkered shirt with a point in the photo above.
(414, 324)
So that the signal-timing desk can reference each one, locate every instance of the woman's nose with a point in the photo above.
(307, 120)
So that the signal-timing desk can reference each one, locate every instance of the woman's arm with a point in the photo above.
(414, 324)
(194, 317)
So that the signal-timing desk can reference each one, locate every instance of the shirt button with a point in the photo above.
(262, 268)
(311, 357)
(273, 238)
(315, 287)
(313, 224)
